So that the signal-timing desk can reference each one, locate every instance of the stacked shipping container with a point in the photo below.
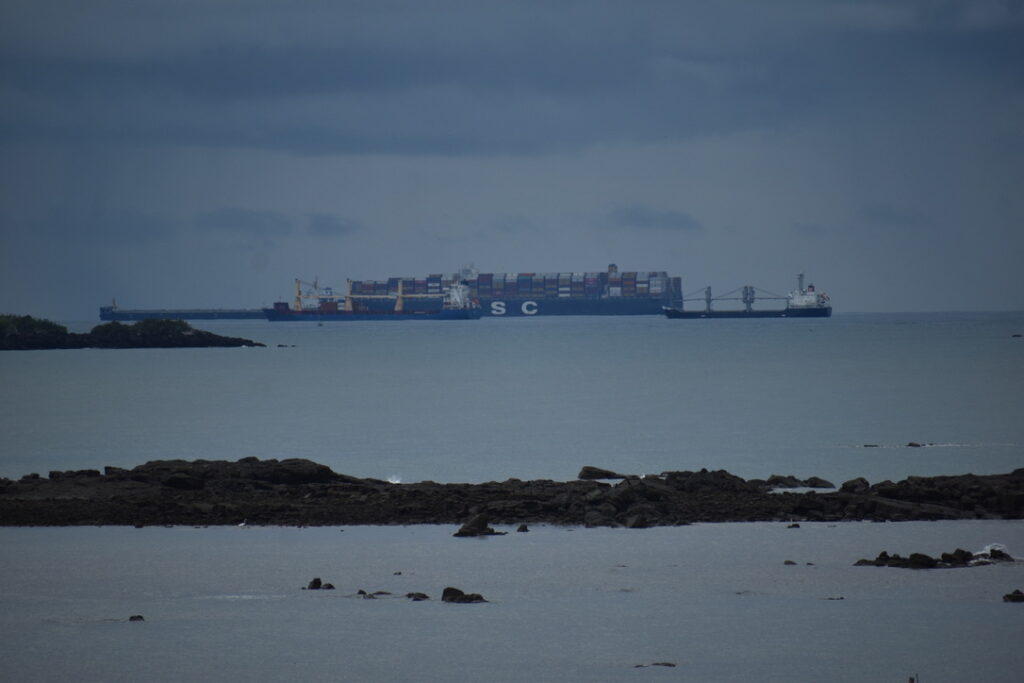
(648, 289)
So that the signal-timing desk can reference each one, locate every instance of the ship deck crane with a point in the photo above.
(748, 295)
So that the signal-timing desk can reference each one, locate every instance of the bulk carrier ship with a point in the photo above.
(802, 302)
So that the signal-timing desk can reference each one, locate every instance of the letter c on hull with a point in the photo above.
(529, 308)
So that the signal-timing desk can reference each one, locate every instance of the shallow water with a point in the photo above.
(494, 399)
(565, 604)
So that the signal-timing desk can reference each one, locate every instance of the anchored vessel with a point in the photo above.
(538, 294)
(313, 302)
(800, 303)
(113, 312)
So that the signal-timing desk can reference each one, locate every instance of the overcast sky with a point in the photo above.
(206, 153)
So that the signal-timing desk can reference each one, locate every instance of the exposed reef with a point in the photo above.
(25, 333)
(300, 492)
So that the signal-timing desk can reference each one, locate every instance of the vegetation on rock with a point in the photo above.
(23, 332)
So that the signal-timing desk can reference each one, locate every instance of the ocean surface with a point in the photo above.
(537, 398)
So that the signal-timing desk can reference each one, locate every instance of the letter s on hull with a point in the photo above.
(529, 308)
(497, 308)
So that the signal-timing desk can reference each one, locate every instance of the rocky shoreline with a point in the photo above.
(298, 492)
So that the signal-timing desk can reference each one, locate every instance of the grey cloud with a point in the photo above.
(244, 222)
(644, 217)
(327, 225)
(521, 82)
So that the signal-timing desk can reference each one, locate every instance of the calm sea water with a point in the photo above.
(565, 605)
(539, 398)
(493, 399)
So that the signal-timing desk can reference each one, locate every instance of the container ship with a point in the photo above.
(538, 294)
(802, 302)
(313, 302)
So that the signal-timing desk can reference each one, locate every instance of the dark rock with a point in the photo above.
(597, 518)
(913, 444)
(921, 561)
(455, 595)
(26, 332)
(478, 526)
(185, 482)
(417, 597)
(298, 492)
(858, 485)
(788, 481)
(957, 558)
(589, 472)
(522, 528)
(327, 587)
(638, 521)
(315, 584)
(997, 555)
(789, 563)
(1015, 596)
(818, 483)
(139, 617)
(794, 525)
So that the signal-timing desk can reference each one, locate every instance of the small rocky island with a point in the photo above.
(23, 332)
(298, 492)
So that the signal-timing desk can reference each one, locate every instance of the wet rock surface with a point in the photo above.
(451, 594)
(957, 558)
(298, 492)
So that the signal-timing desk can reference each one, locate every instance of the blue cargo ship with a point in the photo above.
(321, 304)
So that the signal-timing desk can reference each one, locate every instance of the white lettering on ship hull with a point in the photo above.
(527, 308)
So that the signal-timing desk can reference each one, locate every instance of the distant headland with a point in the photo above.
(23, 333)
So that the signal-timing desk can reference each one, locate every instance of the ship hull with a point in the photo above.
(348, 316)
(110, 313)
(822, 312)
(524, 307)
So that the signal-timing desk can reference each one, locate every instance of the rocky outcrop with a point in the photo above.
(28, 333)
(478, 526)
(297, 492)
(955, 559)
(590, 472)
(455, 595)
